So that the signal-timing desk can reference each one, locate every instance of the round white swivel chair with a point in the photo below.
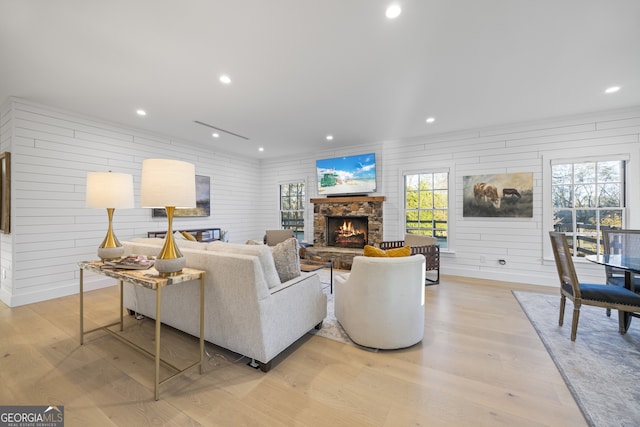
(380, 304)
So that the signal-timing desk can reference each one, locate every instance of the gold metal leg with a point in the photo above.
(157, 356)
(121, 305)
(81, 307)
(201, 322)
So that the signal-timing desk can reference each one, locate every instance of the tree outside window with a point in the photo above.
(292, 208)
(427, 205)
(587, 197)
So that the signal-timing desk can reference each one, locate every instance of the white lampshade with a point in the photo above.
(109, 190)
(168, 183)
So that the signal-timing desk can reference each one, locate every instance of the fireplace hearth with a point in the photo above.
(345, 207)
(347, 231)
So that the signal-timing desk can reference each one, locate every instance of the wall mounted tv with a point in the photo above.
(347, 175)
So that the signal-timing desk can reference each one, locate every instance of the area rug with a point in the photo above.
(601, 368)
(331, 329)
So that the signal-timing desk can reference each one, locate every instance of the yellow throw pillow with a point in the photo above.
(373, 251)
(398, 252)
(395, 252)
(188, 236)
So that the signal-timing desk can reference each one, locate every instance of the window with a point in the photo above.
(427, 205)
(292, 208)
(587, 197)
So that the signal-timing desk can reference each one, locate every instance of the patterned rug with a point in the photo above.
(601, 368)
(331, 329)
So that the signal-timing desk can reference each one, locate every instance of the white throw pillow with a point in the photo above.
(287, 259)
(263, 252)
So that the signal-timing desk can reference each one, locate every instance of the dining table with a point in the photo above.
(630, 264)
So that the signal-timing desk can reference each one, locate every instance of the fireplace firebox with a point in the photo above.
(347, 231)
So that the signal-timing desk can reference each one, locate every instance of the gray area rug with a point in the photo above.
(601, 368)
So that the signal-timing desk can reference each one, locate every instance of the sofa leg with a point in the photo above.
(319, 325)
(264, 367)
(256, 364)
(133, 313)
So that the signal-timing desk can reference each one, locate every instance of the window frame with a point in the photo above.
(630, 153)
(450, 197)
(299, 232)
(588, 236)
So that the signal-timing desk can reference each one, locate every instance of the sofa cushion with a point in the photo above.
(287, 259)
(372, 251)
(263, 252)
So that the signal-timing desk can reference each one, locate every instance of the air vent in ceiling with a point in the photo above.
(219, 129)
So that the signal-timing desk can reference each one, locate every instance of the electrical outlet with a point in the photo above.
(483, 259)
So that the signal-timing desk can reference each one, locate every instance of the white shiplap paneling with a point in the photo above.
(478, 243)
(52, 151)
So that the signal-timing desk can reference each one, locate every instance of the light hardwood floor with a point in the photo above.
(480, 364)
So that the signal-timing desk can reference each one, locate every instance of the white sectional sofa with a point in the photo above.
(247, 309)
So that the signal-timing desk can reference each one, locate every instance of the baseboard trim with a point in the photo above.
(16, 300)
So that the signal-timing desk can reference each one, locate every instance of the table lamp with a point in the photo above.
(168, 184)
(111, 191)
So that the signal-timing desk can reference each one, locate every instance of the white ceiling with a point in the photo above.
(302, 69)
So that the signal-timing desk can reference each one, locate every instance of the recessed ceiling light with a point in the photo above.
(393, 11)
(215, 135)
(612, 89)
(141, 112)
(261, 149)
(329, 137)
(431, 119)
(225, 79)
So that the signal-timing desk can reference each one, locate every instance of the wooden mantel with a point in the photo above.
(348, 199)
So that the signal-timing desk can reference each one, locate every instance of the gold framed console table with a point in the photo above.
(151, 279)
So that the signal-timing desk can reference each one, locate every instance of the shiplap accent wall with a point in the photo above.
(6, 240)
(52, 230)
(301, 168)
(53, 150)
(478, 243)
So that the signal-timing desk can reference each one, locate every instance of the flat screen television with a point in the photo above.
(349, 175)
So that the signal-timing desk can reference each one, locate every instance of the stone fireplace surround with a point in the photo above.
(356, 206)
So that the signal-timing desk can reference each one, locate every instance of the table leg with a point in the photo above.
(624, 317)
(331, 280)
(156, 385)
(121, 306)
(81, 307)
(201, 322)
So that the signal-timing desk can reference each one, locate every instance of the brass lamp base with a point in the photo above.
(169, 267)
(111, 254)
(170, 260)
(110, 249)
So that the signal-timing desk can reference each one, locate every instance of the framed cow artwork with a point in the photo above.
(498, 195)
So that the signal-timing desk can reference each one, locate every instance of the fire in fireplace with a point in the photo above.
(347, 231)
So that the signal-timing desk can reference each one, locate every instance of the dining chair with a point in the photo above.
(620, 242)
(599, 295)
(617, 242)
(273, 237)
